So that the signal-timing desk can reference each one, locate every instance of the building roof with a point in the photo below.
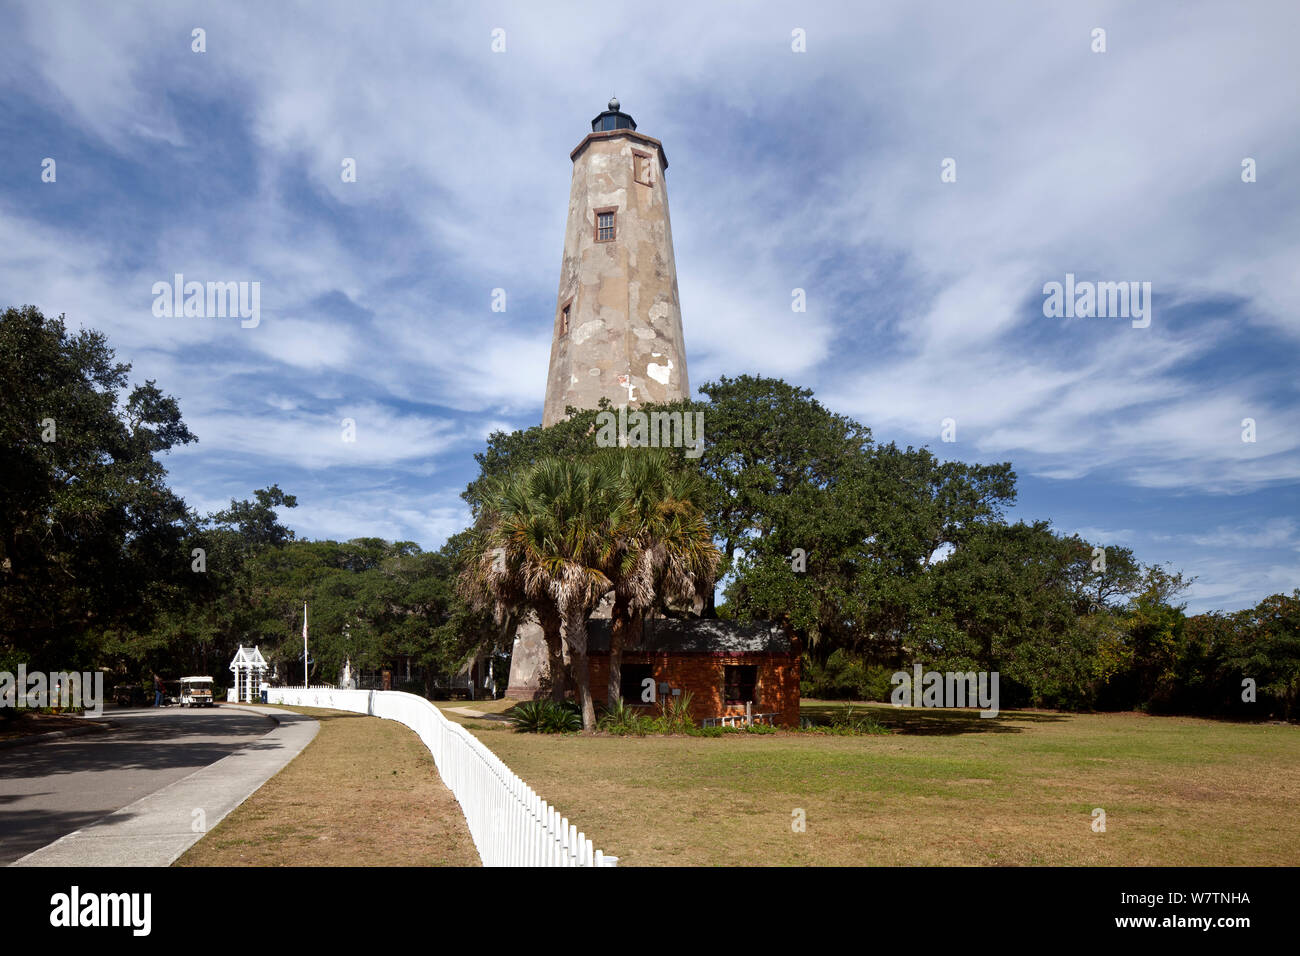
(696, 636)
(249, 657)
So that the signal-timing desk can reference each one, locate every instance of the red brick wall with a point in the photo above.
(777, 689)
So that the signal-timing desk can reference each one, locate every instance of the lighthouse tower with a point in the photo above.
(618, 318)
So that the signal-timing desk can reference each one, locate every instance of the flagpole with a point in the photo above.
(304, 645)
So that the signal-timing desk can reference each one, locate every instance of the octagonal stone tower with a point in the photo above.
(618, 319)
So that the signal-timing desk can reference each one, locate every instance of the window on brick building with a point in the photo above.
(632, 680)
(739, 683)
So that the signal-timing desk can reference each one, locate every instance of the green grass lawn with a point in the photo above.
(482, 706)
(947, 787)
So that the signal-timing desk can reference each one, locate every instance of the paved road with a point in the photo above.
(50, 789)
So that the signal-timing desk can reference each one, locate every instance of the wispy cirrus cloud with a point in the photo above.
(817, 171)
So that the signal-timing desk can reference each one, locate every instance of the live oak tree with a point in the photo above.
(225, 605)
(1008, 596)
(772, 452)
(1266, 649)
(91, 537)
(372, 602)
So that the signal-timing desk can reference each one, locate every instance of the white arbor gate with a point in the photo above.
(249, 667)
(509, 823)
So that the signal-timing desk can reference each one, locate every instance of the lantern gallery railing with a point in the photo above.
(509, 823)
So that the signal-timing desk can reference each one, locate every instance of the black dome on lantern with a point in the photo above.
(612, 118)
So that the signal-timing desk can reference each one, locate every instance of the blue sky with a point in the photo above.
(817, 170)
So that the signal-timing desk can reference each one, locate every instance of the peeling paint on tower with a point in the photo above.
(618, 320)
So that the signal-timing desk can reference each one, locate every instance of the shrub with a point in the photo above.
(845, 722)
(845, 676)
(674, 717)
(563, 718)
(545, 717)
(708, 731)
(675, 712)
(527, 716)
(622, 719)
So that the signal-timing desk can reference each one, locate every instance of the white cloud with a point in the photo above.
(381, 513)
(817, 171)
(315, 440)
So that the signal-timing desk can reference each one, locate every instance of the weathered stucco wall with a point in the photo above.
(624, 340)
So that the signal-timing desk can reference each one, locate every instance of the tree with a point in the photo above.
(1007, 600)
(91, 538)
(512, 452)
(867, 537)
(550, 531)
(770, 446)
(243, 552)
(255, 523)
(664, 548)
(1267, 650)
(1154, 633)
(493, 578)
(373, 602)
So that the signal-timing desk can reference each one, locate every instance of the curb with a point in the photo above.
(157, 829)
(90, 728)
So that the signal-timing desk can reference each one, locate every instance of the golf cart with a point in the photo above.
(196, 692)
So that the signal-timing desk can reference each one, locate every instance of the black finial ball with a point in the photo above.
(613, 102)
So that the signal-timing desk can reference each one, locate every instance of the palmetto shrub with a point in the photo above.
(563, 718)
(527, 716)
(675, 712)
(545, 717)
(674, 717)
(622, 719)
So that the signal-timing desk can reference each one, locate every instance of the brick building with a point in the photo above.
(723, 664)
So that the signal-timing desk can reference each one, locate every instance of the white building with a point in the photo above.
(249, 668)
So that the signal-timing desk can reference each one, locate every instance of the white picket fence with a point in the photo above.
(510, 824)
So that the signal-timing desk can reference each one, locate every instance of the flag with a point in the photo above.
(305, 680)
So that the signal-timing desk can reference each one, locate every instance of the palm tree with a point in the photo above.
(492, 579)
(545, 539)
(664, 548)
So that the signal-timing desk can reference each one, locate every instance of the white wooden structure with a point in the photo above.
(510, 824)
(740, 720)
(249, 668)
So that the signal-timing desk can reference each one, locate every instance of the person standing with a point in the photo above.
(157, 691)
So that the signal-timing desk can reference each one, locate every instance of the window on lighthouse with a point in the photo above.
(605, 226)
(564, 321)
(643, 168)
